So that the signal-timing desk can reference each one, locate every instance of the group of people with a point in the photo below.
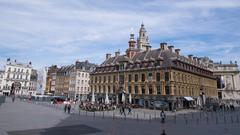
(123, 107)
(226, 107)
(88, 106)
(67, 106)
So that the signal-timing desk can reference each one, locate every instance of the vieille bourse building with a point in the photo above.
(150, 75)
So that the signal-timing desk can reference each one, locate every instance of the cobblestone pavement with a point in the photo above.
(22, 118)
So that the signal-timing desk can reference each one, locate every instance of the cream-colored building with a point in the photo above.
(152, 74)
(228, 76)
(79, 80)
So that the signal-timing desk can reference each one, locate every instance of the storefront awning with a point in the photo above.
(189, 98)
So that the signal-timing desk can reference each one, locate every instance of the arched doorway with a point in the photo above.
(15, 88)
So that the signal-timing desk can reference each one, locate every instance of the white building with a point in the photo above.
(1, 80)
(228, 76)
(17, 75)
(79, 80)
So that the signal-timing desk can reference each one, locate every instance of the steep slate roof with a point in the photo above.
(88, 66)
(65, 68)
(152, 55)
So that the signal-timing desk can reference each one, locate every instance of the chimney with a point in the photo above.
(148, 48)
(117, 53)
(108, 55)
(162, 45)
(195, 59)
(190, 57)
(170, 48)
(177, 51)
(199, 60)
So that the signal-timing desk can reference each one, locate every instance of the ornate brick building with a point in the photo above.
(152, 74)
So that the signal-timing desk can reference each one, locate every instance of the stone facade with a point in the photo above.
(228, 76)
(148, 75)
(33, 82)
(80, 77)
(51, 80)
(1, 80)
(71, 81)
(17, 78)
(63, 80)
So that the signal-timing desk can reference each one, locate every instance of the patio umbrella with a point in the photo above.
(106, 98)
(130, 98)
(93, 98)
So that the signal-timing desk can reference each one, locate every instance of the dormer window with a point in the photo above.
(122, 66)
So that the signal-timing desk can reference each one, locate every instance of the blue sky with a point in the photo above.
(59, 32)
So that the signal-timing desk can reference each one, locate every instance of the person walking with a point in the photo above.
(65, 108)
(69, 108)
(13, 97)
(129, 109)
(123, 110)
(163, 133)
(163, 116)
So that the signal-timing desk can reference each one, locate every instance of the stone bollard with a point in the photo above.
(103, 115)
(237, 119)
(175, 118)
(207, 120)
(225, 120)
(232, 119)
(186, 121)
(137, 117)
(150, 118)
(86, 112)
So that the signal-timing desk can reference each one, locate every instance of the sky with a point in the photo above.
(49, 32)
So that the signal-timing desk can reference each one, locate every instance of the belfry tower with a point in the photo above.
(142, 41)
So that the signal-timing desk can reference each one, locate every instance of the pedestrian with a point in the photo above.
(65, 108)
(69, 108)
(120, 110)
(13, 98)
(163, 133)
(123, 110)
(163, 116)
(129, 109)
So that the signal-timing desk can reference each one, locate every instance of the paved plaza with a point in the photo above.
(24, 118)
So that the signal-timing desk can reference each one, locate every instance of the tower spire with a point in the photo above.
(142, 41)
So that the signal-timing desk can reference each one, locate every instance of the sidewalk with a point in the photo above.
(23, 116)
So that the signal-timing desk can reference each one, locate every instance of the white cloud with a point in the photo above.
(60, 28)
